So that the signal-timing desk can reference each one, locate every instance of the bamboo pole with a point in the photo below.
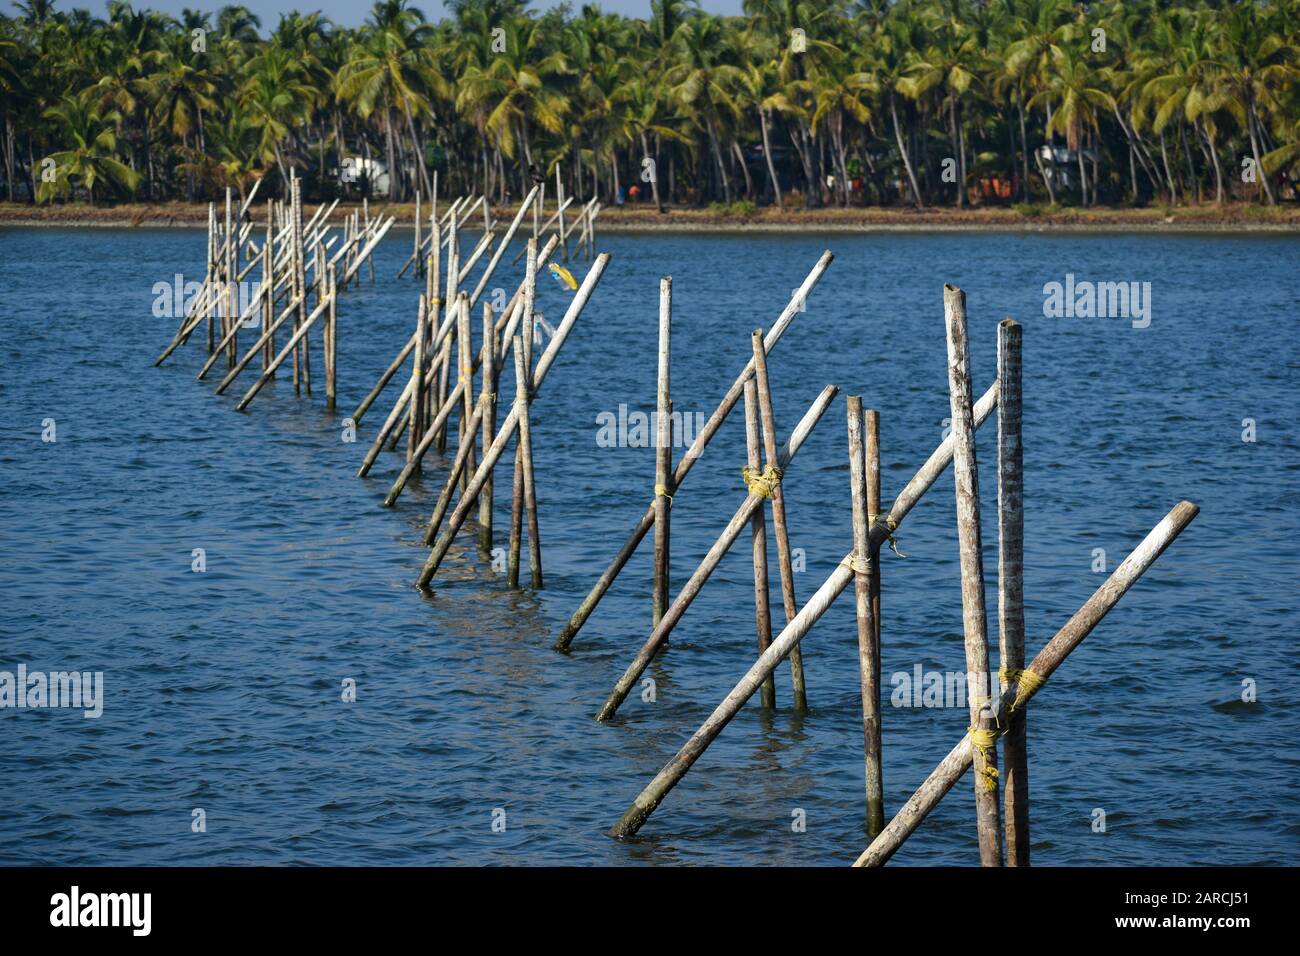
(1011, 587)
(606, 580)
(524, 451)
(511, 423)
(873, 515)
(416, 403)
(384, 379)
(868, 660)
(488, 400)
(416, 252)
(974, 617)
(779, 524)
(758, 540)
(663, 449)
(465, 354)
(1071, 635)
(289, 311)
(331, 342)
(559, 202)
(676, 768)
(752, 503)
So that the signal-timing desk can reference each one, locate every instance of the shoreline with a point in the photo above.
(1235, 218)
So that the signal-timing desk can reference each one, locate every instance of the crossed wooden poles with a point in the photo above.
(424, 408)
(999, 712)
(290, 252)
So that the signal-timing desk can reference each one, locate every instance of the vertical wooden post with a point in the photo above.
(873, 515)
(332, 342)
(228, 268)
(465, 378)
(416, 412)
(778, 515)
(212, 274)
(268, 298)
(524, 450)
(1011, 586)
(974, 619)
(868, 652)
(758, 540)
(488, 399)
(418, 263)
(663, 447)
(559, 205)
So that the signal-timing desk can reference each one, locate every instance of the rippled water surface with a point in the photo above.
(223, 688)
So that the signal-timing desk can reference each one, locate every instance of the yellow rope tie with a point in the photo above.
(1027, 684)
(983, 740)
(663, 490)
(893, 526)
(763, 483)
(856, 564)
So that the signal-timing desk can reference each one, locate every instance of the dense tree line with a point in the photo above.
(922, 102)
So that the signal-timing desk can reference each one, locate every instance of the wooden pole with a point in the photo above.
(488, 401)
(416, 401)
(1011, 587)
(974, 617)
(752, 503)
(416, 254)
(663, 448)
(953, 766)
(331, 342)
(873, 515)
(559, 203)
(465, 354)
(758, 540)
(268, 285)
(524, 451)
(778, 515)
(667, 778)
(868, 662)
(701, 441)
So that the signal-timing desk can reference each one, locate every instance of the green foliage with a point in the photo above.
(799, 98)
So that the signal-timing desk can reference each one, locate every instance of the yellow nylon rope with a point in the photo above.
(858, 565)
(662, 490)
(983, 740)
(762, 483)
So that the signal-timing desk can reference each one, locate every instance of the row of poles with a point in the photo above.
(443, 342)
(301, 274)
(453, 375)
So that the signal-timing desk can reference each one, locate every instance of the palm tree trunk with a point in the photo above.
(654, 175)
(392, 159)
(717, 156)
(419, 153)
(1214, 160)
(744, 168)
(907, 163)
(767, 154)
(1169, 176)
(1024, 151)
(1251, 120)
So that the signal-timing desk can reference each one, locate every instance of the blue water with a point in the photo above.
(223, 688)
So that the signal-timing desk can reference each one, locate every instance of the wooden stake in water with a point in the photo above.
(331, 342)
(416, 401)
(620, 560)
(1011, 587)
(954, 766)
(974, 618)
(676, 768)
(524, 449)
(758, 540)
(784, 562)
(488, 401)
(868, 663)
(663, 448)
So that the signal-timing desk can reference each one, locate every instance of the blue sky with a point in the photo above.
(353, 12)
